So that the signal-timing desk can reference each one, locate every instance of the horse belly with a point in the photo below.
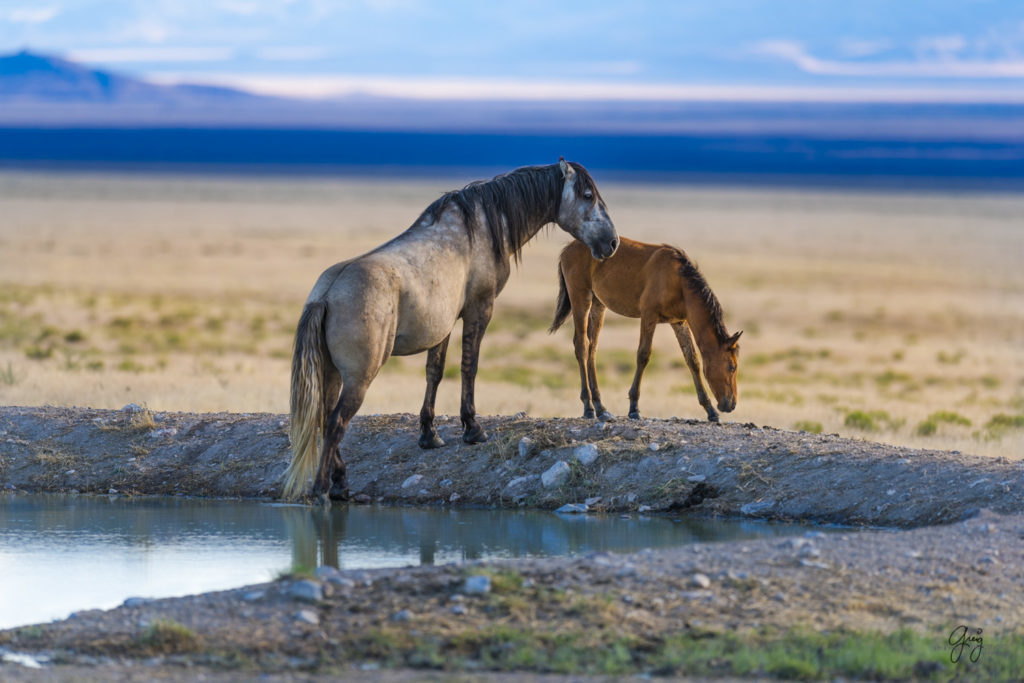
(424, 322)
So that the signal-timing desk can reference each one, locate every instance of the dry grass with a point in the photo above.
(894, 317)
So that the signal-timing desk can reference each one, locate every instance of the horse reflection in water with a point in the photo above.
(405, 297)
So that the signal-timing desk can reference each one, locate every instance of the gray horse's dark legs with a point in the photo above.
(473, 326)
(332, 478)
(689, 348)
(435, 371)
(643, 356)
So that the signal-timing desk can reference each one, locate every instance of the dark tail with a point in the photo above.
(563, 307)
(306, 398)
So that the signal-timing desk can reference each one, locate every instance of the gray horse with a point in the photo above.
(405, 296)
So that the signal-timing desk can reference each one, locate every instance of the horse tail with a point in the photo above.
(563, 307)
(307, 403)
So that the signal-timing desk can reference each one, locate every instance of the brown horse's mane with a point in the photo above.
(511, 203)
(695, 279)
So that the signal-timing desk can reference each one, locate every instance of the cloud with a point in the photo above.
(455, 88)
(292, 53)
(112, 55)
(31, 15)
(863, 48)
(948, 66)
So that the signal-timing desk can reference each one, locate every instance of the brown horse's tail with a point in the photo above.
(563, 307)
(307, 404)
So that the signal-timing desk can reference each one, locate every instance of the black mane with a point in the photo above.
(511, 203)
(693, 277)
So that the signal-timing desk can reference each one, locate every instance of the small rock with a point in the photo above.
(521, 415)
(572, 508)
(644, 508)
(307, 590)
(412, 481)
(325, 572)
(341, 582)
(757, 507)
(592, 501)
(112, 492)
(585, 454)
(696, 595)
(556, 475)
(700, 580)
(457, 597)
(445, 483)
(631, 498)
(361, 499)
(163, 432)
(779, 597)
(519, 481)
(132, 408)
(136, 602)
(253, 596)
(809, 551)
(307, 616)
(454, 497)
(696, 478)
(525, 446)
(401, 615)
(70, 472)
(654, 446)
(890, 492)
(458, 609)
(478, 584)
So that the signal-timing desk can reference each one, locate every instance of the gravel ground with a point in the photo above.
(968, 570)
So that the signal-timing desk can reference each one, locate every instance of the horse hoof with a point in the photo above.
(713, 417)
(588, 414)
(635, 415)
(475, 435)
(322, 499)
(605, 416)
(339, 492)
(428, 441)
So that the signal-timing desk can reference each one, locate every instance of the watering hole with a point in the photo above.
(61, 554)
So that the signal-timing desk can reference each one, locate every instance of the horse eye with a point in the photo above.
(588, 194)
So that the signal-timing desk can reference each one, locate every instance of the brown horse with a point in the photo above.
(405, 296)
(658, 284)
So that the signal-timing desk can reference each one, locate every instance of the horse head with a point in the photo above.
(583, 214)
(720, 370)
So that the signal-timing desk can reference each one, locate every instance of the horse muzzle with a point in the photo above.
(727, 404)
(605, 250)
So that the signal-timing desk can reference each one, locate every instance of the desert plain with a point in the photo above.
(895, 316)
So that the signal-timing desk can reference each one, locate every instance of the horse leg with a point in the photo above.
(435, 371)
(332, 477)
(581, 306)
(474, 323)
(643, 355)
(593, 330)
(689, 347)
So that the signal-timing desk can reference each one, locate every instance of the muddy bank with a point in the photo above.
(671, 612)
(730, 469)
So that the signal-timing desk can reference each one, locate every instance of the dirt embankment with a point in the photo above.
(730, 469)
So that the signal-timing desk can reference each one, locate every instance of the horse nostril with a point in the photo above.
(615, 244)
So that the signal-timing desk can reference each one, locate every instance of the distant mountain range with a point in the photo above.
(43, 90)
(54, 112)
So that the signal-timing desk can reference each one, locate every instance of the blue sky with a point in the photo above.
(852, 48)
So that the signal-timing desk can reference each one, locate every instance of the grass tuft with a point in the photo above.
(166, 636)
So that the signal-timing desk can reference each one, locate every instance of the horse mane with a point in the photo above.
(695, 279)
(511, 203)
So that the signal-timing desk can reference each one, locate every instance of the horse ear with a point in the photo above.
(568, 172)
(734, 339)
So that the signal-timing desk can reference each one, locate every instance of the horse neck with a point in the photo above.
(701, 321)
